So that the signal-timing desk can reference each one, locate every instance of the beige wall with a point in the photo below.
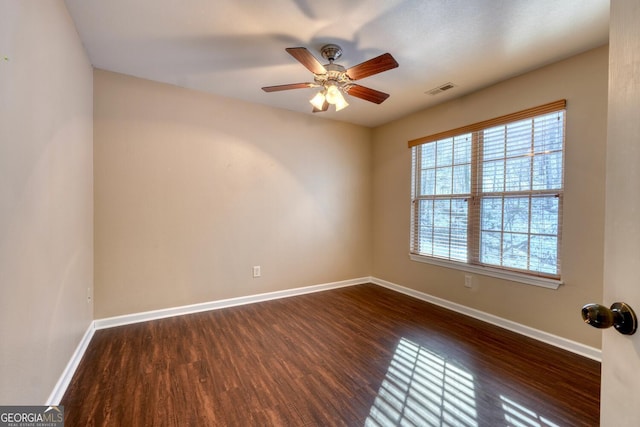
(192, 190)
(582, 81)
(46, 197)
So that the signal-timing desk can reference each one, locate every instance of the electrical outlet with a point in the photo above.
(468, 280)
(256, 271)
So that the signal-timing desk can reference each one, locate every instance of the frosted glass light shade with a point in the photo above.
(318, 100)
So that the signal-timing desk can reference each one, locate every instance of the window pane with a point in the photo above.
(444, 154)
(425, 242)
(425, 226)
(442, 221)
(459, 245)
(544, 215)
(547, 170)
(442, 213)
(544, 254)
(442, 229)
(459, 221)
(462, 149)
(516, 214)
(515, 250)
(491, 213)
(493, 176)
(461, 179)
(490, 248)
(429, 155)
(519, 138)
(441, 242)
(493, 143)
(428, 183)
(518, 174)
(425, 213)
(547, 134)
(444, 180)
(459, 217)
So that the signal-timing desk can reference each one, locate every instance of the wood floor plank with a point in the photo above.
(361, 355)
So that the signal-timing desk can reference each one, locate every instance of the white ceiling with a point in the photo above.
(234, 47)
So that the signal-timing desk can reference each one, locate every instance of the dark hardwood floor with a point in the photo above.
(361, 355)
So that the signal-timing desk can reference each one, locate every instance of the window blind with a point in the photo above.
(491, 193)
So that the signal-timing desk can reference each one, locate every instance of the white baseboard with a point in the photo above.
(563, 343)
(63, 382)
(127, 319)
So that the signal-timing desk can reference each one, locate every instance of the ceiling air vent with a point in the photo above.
(441, 88)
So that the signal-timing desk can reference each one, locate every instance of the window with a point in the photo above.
(490, 194)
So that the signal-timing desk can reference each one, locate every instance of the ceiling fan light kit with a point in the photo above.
(334, 80)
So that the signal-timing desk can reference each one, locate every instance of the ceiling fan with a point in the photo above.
(334, 79)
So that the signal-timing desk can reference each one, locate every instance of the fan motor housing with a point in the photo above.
(331, 52)
(335, 72)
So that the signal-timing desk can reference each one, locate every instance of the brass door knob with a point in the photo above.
(620, 316)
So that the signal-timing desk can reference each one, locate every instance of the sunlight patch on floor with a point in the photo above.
(421, 388)
(519, 416)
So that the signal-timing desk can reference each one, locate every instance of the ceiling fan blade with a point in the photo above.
(289, 86)
(367, 94)
(307, 59)
(325, 107)
(373, 66)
